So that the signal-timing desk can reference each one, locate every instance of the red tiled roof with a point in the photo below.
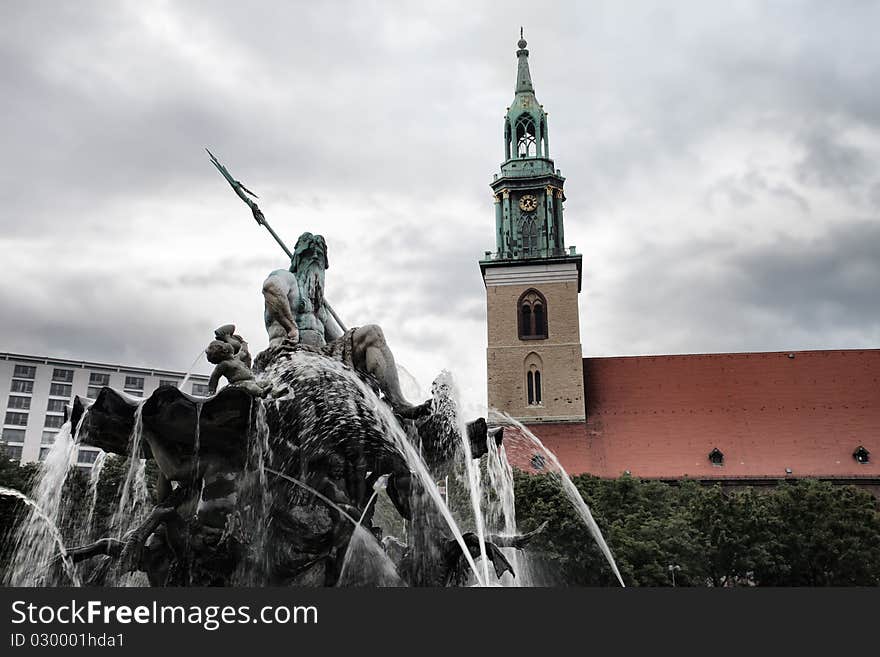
(660, 416)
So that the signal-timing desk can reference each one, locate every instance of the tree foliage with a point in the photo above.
(803, 533)
(800, 533)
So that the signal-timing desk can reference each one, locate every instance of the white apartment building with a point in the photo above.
(34, 391)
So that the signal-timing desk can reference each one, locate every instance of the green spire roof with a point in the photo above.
(523, 77)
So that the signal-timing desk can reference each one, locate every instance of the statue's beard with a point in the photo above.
(314, 285)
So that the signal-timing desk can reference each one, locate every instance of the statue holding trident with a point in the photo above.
(296, 312)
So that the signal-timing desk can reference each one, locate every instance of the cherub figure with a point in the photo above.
(223, 356)
(226, 333)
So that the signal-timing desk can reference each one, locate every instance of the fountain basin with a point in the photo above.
(170, 413)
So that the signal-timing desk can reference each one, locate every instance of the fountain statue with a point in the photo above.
(276, 478)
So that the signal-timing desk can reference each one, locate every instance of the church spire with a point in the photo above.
(523, 76)
(525, 130)
(528, 193)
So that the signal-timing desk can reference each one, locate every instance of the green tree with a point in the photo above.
(825, 535)
(807, 533)
(20, 478)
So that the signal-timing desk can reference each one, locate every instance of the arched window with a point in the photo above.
(534, 383)
(525, 137)
(530, 237)
(532, 314)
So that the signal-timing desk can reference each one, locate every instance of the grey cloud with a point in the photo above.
(395, 115)
(713, 295)
(830, 162)
(743, 191)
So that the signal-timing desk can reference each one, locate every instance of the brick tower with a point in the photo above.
(535, 367)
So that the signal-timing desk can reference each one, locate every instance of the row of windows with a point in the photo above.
(55, 389)
(24, 404)
(61, 387)
(13, 451)
(30, 372)
(83, 457)
(23, 382)
(11, 435)
(16, 419)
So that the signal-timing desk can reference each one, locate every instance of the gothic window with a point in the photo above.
(525, 137)
(533, 385)
(532, 313)
(534, 382)
(716, 457)
(530, 237)
(862, 455)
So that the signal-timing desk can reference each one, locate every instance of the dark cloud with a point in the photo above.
(789, 292)
(721, 170)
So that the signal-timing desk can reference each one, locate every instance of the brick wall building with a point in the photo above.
(734, 418)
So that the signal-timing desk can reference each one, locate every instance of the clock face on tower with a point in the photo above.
(528, 203)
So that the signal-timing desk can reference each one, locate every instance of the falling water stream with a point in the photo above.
(514, 438)
(53, 531)
(391, 430)
(33, 547)
(448, 410)
(378, 486)
(190, 370)
(94, 478)
(132, 500)
(501, 510)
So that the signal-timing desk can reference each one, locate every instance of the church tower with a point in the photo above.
(535, 367)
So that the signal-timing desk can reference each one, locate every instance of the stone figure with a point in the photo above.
(226, 333)
(222, 355)
(295, 314)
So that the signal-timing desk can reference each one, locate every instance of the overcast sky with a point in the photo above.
(722, 166)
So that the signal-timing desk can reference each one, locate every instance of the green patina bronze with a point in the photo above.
(529, 190)
(247, 196)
